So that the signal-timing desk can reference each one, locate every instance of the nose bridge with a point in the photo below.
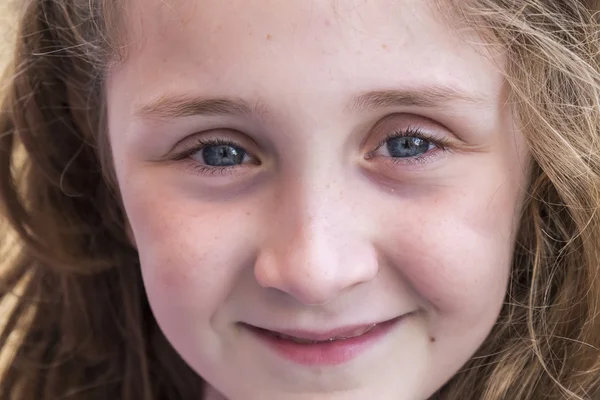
(308, 205)
(314, 253)
(309, 241)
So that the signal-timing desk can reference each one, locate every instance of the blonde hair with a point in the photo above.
(85, 328)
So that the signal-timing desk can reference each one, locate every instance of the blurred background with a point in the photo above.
(7, 28)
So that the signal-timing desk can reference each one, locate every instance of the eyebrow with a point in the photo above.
(178, 106)
(427, 97)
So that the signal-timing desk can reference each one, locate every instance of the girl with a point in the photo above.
(250, 199)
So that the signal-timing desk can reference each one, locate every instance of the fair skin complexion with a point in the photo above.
(328, 212)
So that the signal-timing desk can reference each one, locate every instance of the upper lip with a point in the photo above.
(345, 331)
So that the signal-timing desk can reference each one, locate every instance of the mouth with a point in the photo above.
(302, 337)
(332, 347)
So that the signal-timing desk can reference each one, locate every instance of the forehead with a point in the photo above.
(228, 46)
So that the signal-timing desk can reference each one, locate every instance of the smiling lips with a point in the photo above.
(310, 338)
(326, 349)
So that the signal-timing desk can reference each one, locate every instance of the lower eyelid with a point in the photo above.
(431, 156)
(209, 171)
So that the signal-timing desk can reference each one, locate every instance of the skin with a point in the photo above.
(319, 227)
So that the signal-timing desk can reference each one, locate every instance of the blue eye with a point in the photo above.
(411, 146)
(407, 146)
(222, 155)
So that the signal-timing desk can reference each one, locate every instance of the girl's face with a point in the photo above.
(324, 194)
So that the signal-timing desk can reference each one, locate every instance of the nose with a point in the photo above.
(317, 249)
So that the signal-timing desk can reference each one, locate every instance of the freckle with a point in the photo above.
(269, 37)
(384, 46)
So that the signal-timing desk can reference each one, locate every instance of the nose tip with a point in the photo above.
(316, 273)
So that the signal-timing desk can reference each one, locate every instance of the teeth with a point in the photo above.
(360, 331)
(350, 335)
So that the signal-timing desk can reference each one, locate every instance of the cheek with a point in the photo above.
(190, 252)
(457, 250)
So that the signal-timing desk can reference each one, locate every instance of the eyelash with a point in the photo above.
(442, 144)
(202, 169)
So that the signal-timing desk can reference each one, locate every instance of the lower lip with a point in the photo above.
(326, 353)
